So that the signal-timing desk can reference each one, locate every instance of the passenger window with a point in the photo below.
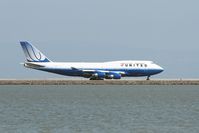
(130, 65)
(141, 65)
(145, 65)
(126, 65)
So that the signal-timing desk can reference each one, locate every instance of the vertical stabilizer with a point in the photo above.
(32, 53)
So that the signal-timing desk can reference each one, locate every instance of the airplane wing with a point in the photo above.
(89, 73)
(94, 71)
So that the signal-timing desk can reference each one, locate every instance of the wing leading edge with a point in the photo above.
(100, 74)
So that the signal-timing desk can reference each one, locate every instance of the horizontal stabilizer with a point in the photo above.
(32, 65)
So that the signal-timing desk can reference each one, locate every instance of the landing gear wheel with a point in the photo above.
(96, 79)
(92, 78)
(148, 78)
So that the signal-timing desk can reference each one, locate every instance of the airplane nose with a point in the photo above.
(160, 69)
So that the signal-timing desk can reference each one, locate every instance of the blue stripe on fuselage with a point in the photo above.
(128, 72)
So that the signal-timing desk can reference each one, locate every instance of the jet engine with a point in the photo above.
(98, 76)
(113, 76)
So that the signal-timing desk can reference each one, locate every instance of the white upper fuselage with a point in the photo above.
(129, 64)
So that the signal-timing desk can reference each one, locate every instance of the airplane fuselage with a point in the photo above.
(83, 69)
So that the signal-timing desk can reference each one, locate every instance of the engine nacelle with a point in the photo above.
(113, 76)
(98, 75)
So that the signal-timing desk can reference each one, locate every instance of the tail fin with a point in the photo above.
(33, 54)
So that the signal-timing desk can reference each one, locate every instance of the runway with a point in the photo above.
(99, 82)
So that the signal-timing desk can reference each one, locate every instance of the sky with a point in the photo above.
(164, 31)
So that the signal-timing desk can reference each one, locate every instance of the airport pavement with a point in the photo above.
(98, 82)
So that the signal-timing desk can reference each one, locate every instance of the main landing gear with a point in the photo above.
(93, 78)
(148, 78)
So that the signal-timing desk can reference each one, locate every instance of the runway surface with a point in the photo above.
(98, 82)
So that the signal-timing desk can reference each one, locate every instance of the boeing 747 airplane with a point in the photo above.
(94, 71)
